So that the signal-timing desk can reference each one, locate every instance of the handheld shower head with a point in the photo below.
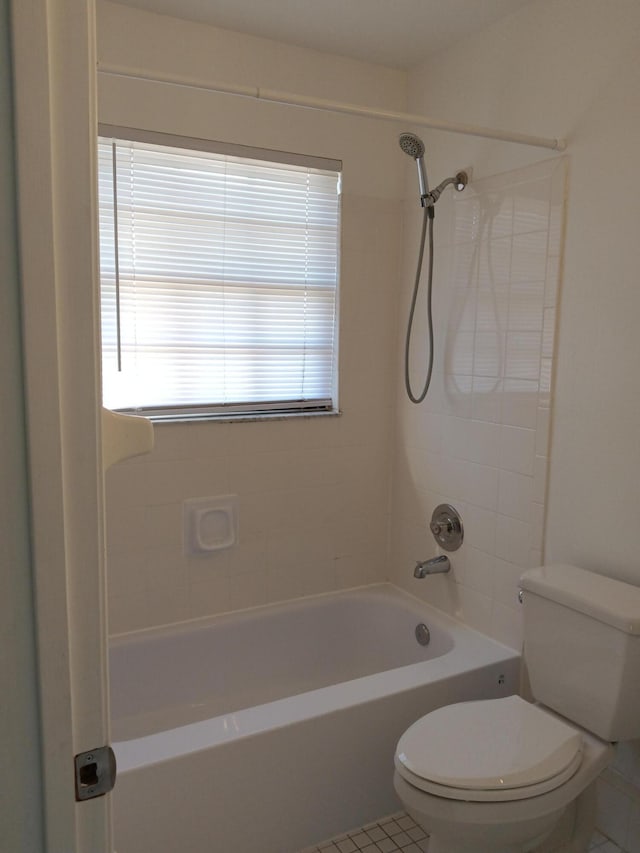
(414, 147)
(411, 145)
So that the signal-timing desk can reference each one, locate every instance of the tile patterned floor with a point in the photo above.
(399, 833)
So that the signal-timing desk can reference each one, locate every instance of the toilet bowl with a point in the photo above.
(510, 776)
(496, 776)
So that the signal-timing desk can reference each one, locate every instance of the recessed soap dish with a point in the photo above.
(210, 524)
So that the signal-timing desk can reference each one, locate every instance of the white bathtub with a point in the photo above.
(267, 730)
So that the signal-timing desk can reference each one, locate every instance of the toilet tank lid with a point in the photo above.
(608, 600)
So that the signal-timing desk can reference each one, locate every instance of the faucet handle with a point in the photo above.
(446, 526)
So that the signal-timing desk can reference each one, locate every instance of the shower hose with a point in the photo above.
(427, 218)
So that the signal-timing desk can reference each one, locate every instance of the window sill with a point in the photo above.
(159, 420)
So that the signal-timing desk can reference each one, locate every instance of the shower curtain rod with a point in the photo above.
(293, 100)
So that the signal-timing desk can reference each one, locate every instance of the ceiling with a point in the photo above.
(398, 33)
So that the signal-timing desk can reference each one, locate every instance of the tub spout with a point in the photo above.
(431, 567)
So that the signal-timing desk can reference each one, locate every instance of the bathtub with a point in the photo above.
(267, 730)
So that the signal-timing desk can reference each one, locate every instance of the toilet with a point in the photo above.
(510, 776)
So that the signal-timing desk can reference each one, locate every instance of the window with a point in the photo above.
(219, 271)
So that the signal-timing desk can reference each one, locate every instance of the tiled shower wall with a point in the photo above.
(480, 439)
(313, 491)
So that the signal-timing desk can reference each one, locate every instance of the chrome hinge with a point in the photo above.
(95, 772)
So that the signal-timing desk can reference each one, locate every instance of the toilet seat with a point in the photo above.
(489, 751)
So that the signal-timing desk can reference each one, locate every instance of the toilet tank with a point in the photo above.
(582, 648)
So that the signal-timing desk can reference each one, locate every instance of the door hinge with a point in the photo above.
(95, 772)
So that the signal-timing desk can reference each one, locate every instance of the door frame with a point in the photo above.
(54, 69)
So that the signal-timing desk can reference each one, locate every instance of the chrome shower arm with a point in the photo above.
(460, 180)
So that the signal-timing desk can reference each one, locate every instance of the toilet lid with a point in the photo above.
(476, 750)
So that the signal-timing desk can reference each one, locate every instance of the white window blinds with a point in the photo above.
(218, 281)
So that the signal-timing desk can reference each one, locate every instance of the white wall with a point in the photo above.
(313, 492)
(570, 68)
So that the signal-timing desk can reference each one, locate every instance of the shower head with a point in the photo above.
(414, 147)
(411, 145)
